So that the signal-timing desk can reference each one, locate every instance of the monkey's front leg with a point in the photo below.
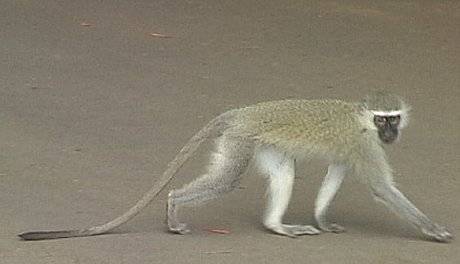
(327, 192)
(281, 176)
(391, 196)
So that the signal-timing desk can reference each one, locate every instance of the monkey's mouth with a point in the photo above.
(388, 138)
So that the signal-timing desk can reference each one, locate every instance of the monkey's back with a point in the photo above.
(300, 125)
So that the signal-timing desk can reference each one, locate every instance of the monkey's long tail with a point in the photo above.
(190, 147)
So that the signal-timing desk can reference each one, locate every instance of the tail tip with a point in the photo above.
(41, 235)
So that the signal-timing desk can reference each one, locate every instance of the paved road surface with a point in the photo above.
(93, 107)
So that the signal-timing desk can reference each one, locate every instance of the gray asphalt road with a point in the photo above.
(96, 97)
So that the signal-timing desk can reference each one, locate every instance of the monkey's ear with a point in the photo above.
(405, 114)
(364, 104)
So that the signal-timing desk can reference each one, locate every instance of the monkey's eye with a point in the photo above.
(394, 120)
(380, 120)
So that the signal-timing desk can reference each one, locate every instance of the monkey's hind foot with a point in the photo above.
(178, 228)
(294, 230)
(333, 228)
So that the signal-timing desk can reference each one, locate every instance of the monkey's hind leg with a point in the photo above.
(281, 171)
(228, 164)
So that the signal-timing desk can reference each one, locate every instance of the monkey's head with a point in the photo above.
(388, 114)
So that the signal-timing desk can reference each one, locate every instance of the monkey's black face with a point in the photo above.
(388, 127)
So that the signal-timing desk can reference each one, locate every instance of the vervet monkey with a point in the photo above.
(348, 134)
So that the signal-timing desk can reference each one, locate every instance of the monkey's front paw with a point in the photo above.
(293, 230)
(299, 230)
(333, 228)
(439, 233)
